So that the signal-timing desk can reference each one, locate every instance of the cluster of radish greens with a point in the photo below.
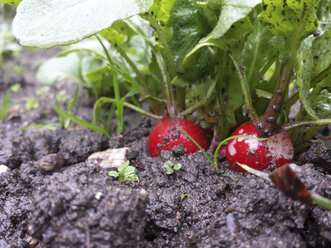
(206, 69)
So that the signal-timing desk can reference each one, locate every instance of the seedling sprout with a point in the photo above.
(171, 168)
(125, 172)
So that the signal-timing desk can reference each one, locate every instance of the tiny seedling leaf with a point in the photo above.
(168, 166)
(182, 196)
(170, 170)
(177, 166)
(113, 173)
(122, 167)
(125, 172)
(129, 170)
(132, 177)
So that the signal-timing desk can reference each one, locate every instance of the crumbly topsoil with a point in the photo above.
(75, 204)
(51, 197)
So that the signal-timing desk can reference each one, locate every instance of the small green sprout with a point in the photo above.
(182, 196)
(171, 168)
(15, 88)
(125, 173)
(31, 103)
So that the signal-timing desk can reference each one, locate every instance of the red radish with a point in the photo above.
(269, 154)
(166, 135)
(222, 150)
(208, 131)
(164, 118)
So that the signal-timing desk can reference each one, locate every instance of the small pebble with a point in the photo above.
(3, 168)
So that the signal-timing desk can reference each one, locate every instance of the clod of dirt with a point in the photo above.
(50, 162)
(15, 202)
(261, 218)
(78, 145)
(178, 150)
(16, 150)
(79, 208)
(319, 154)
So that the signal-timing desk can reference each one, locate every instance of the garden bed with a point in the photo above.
(246, 67)
(74, 203)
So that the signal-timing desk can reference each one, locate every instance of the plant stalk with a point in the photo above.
(180, 98)
(167, 86)
(170, 68)
(166, 52)
(246, 93)
(289, 126)
(104, 100)
(140, 77)
(270, 126)
(321, 201)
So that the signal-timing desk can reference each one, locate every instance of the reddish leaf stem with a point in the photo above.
(270, 125)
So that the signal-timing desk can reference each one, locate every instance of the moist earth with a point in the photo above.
(51, 196)
(74, 203)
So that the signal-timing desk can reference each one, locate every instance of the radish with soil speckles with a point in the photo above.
(167, 135)
(269, 154)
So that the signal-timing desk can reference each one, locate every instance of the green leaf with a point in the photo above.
(177, 166)
(161, 9)
(118, 33)
(303, 76)
(321, 50)
(168, 164)
(57, 69)
(182, 196)
(48, 23)
(232, 18)
(189, 25)
(232, 40)
(261, 48)
(98, 74)
(293, 19)
(169, 170)
(133, 177)
(31, 103)
(322, 103)
(232, 11)
(129, 170)
(122, 167)
(75, 66)
(324, 15)
(113, 173)
(11, 2)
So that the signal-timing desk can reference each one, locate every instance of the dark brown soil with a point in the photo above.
(76, 204)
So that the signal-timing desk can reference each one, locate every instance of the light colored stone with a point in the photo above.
(98, 196)
(109, 158)
(295, 167)
(3, 168)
